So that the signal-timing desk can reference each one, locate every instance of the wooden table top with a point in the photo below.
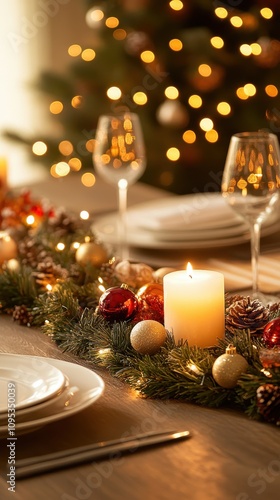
(228, 455)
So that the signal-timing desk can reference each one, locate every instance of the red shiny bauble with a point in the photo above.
(118, 303)
(271, 333)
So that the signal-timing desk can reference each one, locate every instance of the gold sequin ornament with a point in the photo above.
(228, 368)
(91, 253)
(148, 336)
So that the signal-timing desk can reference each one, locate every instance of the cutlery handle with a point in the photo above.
(58, 460)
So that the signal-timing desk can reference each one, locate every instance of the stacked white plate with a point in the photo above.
(42, 390)
(201, 220)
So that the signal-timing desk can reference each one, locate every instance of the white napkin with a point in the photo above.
(197, 212)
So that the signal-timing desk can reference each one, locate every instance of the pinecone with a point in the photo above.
(31, 251)
(48, 272)
(23, 315)
(246, 314)
(107, 272)
(268, 401)
(62, 223)
(230, 299)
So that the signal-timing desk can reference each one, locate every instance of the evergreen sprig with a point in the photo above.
(69, 315)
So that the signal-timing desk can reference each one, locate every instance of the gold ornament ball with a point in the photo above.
(228, 368)
(148, 336)
(91, 253)
(8, 247)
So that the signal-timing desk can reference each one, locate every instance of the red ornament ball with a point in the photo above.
(118, 303)
(271, 333)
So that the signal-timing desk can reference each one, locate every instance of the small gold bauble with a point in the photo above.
(8, 247)
(91, 253)
(147, 336)
(228, 368)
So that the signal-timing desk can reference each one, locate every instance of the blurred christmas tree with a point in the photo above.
(195, 71)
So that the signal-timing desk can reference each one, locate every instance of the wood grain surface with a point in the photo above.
(227, 457)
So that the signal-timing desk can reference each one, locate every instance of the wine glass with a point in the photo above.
(251, 182)
(119, 158)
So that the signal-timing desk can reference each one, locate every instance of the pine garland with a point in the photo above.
(69, 315)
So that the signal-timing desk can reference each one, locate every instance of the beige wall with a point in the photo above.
(66, 28)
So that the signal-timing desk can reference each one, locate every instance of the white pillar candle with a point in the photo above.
(194, 306)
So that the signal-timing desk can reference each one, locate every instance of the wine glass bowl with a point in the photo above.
(119, 149)
(251, 182)
(119, 158)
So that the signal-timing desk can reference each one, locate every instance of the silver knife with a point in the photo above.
(58, 460)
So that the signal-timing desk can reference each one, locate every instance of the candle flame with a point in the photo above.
(189, 269)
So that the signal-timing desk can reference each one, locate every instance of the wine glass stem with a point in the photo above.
(255, 250)
(123, 247)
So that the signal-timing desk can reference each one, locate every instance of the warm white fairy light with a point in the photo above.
(101, 287)
(114, 93)
(112, 22)
(84, 215)
(173, 154)
(30, 219)
(195, 101)
(217, 42)
(206, 124)
(204, 70)
(224, 108)
(236, 21)
(245, 49)
(271, 90)
(75, 164)
(266, 13)
(221, 12)
(88, 55)
(256, 49)
(60, 246)
(211, 136)
(147, 56)
(77, 101)
(241, 94)
(189, 136)
(88, 179)
(140, 98)
(74, 50)
(104, 352)
(176, 4)
(175, 44)
(39, 148)
(62, 169)
(94, 16)
(119, 34)
(56, 107)
(171, 92)
(76, 245)
(53, 171)
(65, 148)
(49, 288)
(194, 368)
(250, 89)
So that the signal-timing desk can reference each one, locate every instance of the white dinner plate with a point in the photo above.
(181, 222)
(84, 383)
(27, 381)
